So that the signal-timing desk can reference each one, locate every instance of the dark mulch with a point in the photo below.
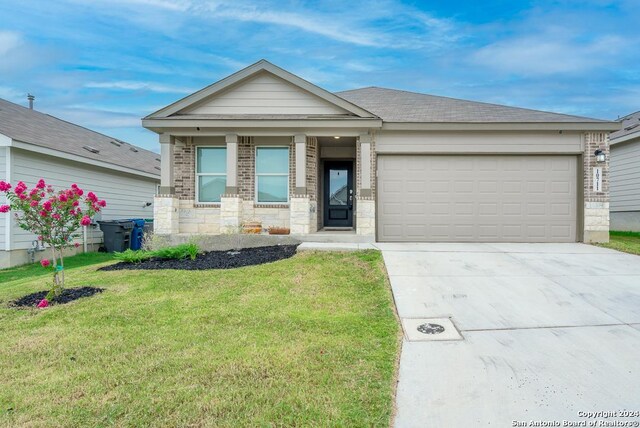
(215, 259)
(68, 295)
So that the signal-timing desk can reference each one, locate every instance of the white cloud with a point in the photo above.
(9, 41)
(129, 85)
(547, 54)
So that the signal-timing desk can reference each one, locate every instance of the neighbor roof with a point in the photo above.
(40, 129)
(393, 105)
(630, 126)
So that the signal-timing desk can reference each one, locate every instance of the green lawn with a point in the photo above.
(629, 242)
(308, 341)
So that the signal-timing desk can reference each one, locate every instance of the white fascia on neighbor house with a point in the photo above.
(34, 145)
(381, 164)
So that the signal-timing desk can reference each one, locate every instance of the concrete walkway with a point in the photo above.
(549, 330)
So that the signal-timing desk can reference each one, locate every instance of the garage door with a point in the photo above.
(461, 198)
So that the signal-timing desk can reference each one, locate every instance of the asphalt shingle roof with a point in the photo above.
(630, 125)
(33, 127)
(393, 105)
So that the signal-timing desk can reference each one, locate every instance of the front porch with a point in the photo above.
(323, 191)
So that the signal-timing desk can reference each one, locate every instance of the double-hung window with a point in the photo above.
(272, 175)
(211, 173)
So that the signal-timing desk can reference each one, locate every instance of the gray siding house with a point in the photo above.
(35, 145)
(264, 144)
(625, 175)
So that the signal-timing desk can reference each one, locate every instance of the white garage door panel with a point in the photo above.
(477, 198)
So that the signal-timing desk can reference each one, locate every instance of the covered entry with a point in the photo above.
(477, 198)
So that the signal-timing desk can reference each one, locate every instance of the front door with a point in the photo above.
(338, 194)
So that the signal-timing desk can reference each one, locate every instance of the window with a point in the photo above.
(272, 174)
(211, 173)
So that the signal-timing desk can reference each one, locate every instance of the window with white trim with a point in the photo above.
(272, 175)
(211, 173)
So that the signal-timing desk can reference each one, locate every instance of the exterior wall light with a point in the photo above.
(600, 156)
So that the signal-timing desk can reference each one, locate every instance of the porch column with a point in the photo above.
(365, 201)
(166, 204)
(231, 202)
(232, 164)
(167, 145)
(300, 141)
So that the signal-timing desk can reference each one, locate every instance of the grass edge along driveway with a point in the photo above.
(311, 340)
(627, 242)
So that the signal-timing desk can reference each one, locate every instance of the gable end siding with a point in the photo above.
(265, 94)
(625, 176)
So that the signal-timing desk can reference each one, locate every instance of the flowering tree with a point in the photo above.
(54, 216)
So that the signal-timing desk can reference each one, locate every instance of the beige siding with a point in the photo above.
(625, 177)
(3, 200)
(125, 194)
(265, 94)
(478, 142)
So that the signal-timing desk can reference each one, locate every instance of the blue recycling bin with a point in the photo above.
(136, 233)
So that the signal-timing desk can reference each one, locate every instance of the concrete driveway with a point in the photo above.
(549, 330)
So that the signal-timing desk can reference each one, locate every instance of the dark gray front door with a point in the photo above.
(338, 194)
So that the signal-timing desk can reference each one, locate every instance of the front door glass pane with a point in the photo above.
(338, 191)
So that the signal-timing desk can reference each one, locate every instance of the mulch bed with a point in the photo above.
(214, 259)
(68, 295)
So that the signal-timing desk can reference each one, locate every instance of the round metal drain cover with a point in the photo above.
(429, 328)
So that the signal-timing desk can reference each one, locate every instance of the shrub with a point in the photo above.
(131, 256)
(177, 252)
(54, 216)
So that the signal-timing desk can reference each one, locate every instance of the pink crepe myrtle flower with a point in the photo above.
(102, 203)
(41, 184)
(47, 205)
(33, 204)
(22, 196)
(4, 186)
(43, 214)
(79, 192)
(86, 221)
(77, 244)
(75, 203)
(63, 198)
(43, 303)
(92, 197)
(42, 194)
(4, 208)
(20, 188)
(56, 216)
(45, 262)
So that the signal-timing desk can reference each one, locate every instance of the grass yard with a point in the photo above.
(307, 341)
(629, 242)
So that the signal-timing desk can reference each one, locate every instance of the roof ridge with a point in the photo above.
(477, 102)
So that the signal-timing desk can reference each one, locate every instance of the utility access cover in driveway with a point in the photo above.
(427, 329)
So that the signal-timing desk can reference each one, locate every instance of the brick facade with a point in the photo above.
(184, 169)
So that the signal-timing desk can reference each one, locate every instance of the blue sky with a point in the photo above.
(104, 64)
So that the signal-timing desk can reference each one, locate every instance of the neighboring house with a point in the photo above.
(35, 145)
(265, 144)
(625, 175)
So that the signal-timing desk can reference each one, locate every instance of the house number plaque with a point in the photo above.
(597, 179)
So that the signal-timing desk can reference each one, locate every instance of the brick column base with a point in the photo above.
(230, 214)
(366, 217)
(303, 220)
(166, 214)
(596, 222)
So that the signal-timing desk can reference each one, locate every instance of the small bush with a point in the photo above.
(177, 252)
(131, 256)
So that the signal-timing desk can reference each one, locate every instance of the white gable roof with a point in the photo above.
(262, 89)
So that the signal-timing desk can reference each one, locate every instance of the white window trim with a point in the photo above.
(255, 173)
(206, 174)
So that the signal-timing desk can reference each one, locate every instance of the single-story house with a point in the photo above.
(625, 175)
(35, 145)
(389, 165)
